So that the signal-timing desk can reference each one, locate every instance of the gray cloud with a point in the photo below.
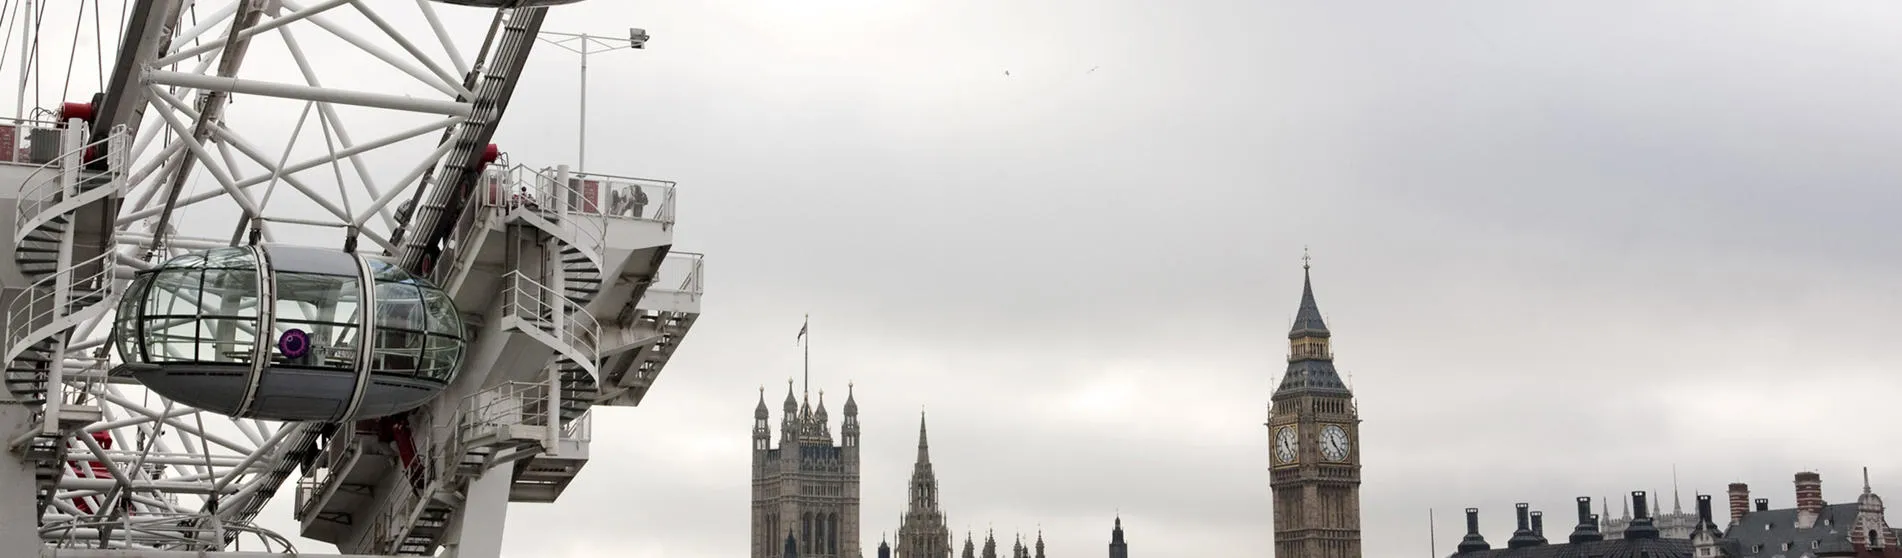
(1563, 249)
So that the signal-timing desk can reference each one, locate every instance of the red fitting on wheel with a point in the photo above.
(69, 111)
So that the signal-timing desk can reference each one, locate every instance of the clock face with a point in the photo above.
(1334, 443)
(1287, 443)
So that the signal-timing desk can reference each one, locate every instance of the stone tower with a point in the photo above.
(807, 489)
(922, 533)
(1118, 549)
(1314, 450)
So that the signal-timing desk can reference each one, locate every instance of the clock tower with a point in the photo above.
(1314, 446)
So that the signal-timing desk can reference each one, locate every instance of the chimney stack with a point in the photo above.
(1523, 537)
(1763, 504)
(1538, 526)
(1809, 499)
(1474, 542)
(1587, 529)
(1739, 502)
(1641, 527)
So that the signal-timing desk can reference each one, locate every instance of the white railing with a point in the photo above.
(531, 302)
(681, 272)
(477, 217)
(581, 429)
(540, 191)
(623, 197)
(508, 404)
(42, 304)
(397, 511)
(37, 197)
(22, 129)
(335, 457)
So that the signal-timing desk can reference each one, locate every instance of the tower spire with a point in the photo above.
(924, 447)
(1677, 497)
(1310, 360)
(1307, 320)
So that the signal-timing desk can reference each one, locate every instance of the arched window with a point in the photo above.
(832, 538)
(826, 534)
(805, 541)
(1875, 539)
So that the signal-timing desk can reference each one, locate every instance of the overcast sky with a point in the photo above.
(1562, 248)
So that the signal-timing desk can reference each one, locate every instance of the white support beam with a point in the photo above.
(218, 43)
(166, 486)
(451, 87)
(332, 124)
(303, 93)
(128, 218)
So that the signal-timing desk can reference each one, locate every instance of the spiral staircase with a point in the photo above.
(62, 243)
(530, 256)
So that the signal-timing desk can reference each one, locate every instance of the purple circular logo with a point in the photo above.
(294, 343)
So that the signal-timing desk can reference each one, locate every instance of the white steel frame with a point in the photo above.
(167, 460)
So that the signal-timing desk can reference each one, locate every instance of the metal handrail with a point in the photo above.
(663, 208)
(25, 313)
(35, 198)
(693, 283)
(525, 403)
(333, 460)
(527, 300)
(581, 429)
(542, 187)
(475, 220)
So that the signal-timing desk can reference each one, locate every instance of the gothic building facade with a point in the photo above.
(1675, 525)
(922, 532)
(1313, 436)
(806, 491)
(1018, 550)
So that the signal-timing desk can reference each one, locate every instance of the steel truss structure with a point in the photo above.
(330, 123)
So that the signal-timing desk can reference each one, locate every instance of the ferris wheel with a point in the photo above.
(281, 248)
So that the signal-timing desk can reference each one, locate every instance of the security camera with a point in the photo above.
(637, 37)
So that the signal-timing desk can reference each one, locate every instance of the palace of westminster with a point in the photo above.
(806, 492)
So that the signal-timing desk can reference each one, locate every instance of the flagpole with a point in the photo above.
(1433, 542)
(805, 331)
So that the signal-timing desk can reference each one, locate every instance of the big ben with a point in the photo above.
(1314, 452)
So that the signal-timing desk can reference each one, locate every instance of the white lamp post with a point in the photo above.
(585, 44)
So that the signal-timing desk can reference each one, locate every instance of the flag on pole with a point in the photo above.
(802, 330)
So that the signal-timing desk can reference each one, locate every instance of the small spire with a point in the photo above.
(792, 403)
(1677, 497)
(1307, 320)
(1865, 480)
(924, 447)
